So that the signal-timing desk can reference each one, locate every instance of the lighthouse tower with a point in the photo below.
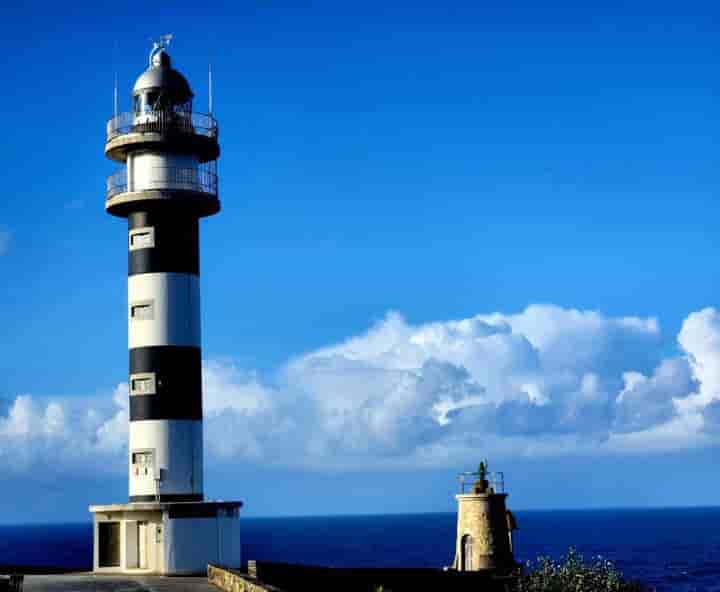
(484, 541)
(168, 181)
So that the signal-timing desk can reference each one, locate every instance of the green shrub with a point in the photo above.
(573, 574)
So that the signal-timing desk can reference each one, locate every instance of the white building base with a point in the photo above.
(165, 538)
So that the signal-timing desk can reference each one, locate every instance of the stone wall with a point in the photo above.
(287, 577)
(482, 517)
(231, 580)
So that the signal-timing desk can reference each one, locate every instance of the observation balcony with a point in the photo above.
(180, 131)
(195, 189)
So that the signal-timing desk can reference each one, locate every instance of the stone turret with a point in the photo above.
(484, 527)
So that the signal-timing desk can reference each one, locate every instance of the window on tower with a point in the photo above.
(151, 101)
(142, 238)
(142, 384)
(142, 463)
(142, 311)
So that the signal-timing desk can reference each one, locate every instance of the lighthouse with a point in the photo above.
(167, 182)
(484, 540)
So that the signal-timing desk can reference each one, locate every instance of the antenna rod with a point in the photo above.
(210, 88)
(115, 97)
(115, 87)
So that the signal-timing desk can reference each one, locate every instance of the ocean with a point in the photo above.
(668, 549)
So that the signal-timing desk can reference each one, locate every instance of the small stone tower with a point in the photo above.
(484, 527)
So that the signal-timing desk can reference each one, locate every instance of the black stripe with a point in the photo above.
(193, 511)
(176, 243)
(203, 510)
(178, 383)
(168, 497)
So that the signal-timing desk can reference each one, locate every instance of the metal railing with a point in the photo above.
(116, 183)
(495, 479)
(200, 179)
(162, 122)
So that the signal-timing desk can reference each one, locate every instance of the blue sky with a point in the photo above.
(388, 169)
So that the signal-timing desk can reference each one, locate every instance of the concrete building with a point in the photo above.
(167, 183)
(484, 538)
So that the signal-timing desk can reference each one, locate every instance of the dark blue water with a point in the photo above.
(669, 549)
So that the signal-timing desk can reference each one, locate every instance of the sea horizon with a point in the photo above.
(669, 549)
(244, 516)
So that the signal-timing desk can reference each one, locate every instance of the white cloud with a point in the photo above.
(242, 417)
(112, 434)
(69, 433)
(700, 338)
(545, 371)
(650, 401)
(545, 381)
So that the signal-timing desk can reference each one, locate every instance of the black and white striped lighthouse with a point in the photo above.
(168, 183)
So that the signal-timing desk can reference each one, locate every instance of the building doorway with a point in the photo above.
(142, 539)
(109, 544)
(466, 553)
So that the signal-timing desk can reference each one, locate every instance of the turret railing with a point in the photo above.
(495, 479)
(165, 178)
(162, 122)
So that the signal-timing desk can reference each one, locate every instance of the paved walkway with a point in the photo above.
(91, 583)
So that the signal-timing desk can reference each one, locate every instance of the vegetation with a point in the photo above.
(573, 574)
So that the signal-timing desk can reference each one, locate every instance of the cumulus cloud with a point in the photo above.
(545, 381)
(700, 338)
(243, 418)
(66, 433)
(645, 402)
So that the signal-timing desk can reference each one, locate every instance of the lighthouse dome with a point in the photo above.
(162, 77)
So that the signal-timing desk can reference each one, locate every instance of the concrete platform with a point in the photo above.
(106, 583)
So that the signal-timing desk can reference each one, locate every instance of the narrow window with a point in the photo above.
(142, 238)
(150, 100)
(142, 463)
(142, 384)
(142, 311)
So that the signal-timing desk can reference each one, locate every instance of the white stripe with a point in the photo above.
(175, 299)
(159, 170)
(177, 445)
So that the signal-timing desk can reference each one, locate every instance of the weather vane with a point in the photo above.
(159, 44)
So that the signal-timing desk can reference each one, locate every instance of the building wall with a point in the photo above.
(152, 170)
(178, 454)
(482, 517)
(193, 543)
(164, 343)
(175, 299)
(129, 547)
(230, 552)
(129, 542)
(175, 545)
